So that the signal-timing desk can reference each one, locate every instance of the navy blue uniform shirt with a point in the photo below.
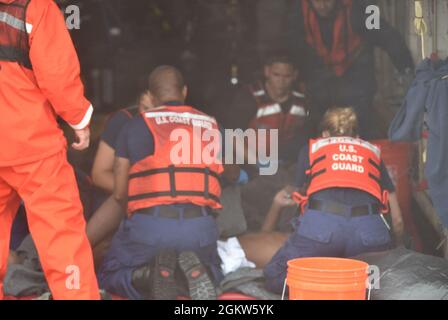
(136, 141)
(115, 124)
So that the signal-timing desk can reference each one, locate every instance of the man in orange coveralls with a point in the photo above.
(39, 79)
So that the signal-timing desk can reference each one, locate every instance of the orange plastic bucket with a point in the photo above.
(327, 279)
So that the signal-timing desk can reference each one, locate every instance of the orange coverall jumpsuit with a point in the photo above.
(33, 163)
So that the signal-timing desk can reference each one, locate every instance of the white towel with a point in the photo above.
(232, 256)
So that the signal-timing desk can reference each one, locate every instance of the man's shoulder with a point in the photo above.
(133, 126)
(118, 120)
(136, 122)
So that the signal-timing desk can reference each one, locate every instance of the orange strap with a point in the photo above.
(385, 202)
(300, 200)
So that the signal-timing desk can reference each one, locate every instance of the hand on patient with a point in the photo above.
(283, 198)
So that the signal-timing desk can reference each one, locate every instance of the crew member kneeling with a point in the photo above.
(169, 204)
(347, 189)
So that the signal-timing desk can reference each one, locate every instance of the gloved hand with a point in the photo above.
(243, 178)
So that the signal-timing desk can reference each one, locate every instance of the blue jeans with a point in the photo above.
(321, 234)
(141, 237)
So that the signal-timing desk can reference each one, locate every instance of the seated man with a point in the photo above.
(272, 103)
(169, 205)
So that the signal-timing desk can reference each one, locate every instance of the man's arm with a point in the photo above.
(106, 220)
(56, 67)
(296, 42)
(103, 167)
(121, 178)
(397, 219)
(386, 37)
(281, 200)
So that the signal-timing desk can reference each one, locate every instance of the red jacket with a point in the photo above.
(31, 99)
(346, 42)
(270, 115)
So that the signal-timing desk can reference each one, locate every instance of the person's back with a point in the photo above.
(168, 189)
(345, 188)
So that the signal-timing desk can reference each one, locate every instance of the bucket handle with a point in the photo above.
(369, 291)
(284, 290)
(370, 286)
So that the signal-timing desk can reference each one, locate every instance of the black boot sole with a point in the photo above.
(164, 283)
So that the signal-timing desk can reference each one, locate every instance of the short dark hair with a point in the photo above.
(278, 57)
(166, 81)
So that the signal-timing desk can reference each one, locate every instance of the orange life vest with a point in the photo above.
(14, 46)
(345, 162)
(271, 116)
(157, 180)
(346, 43)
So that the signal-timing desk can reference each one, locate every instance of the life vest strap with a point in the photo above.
(385, 202)
(301, 200)
(172, 181)
(378, 180)
(318, 173)
(15, 55)
(206, 182)
(174, 169)
(376, 165)
(321, 158)
(169, 194)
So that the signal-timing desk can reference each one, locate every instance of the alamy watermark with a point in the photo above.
(72, 15)
(373, 277)
(73, 277)
(373, 21)
(208, 146)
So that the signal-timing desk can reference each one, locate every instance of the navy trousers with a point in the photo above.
(141, 237)
(321, 234)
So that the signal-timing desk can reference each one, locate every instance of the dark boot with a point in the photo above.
(200, 285)
(164, 281)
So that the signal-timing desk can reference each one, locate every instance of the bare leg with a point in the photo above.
(105, 221)
(261, 247)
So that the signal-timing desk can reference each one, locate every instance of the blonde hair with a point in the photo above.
(340, 122)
